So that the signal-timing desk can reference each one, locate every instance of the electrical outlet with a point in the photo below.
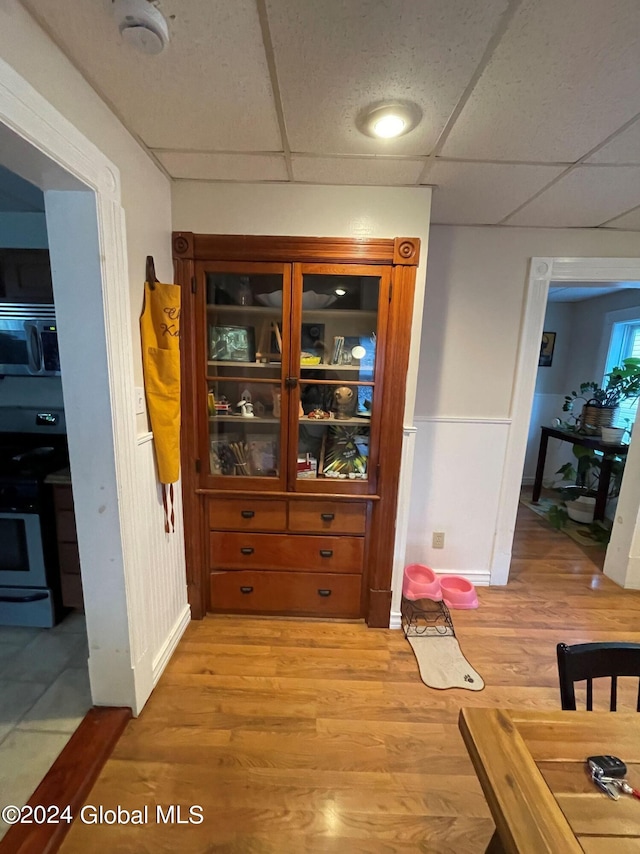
(437, 540)
(140, 408)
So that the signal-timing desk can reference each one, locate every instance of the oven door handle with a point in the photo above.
(29, 597)
(34, 348)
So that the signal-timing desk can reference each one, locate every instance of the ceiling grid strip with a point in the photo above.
(275, 84)
(580, 162)
(492, 44)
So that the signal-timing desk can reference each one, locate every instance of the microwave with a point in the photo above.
(28, 341)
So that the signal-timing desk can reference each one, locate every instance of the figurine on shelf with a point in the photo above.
(246, 409)
(343, 399)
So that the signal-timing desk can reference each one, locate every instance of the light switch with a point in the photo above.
(140, 405)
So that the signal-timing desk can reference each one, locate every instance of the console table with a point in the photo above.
(608, 450)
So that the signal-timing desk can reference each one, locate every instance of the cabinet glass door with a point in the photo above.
(340, 313)
(244, 401)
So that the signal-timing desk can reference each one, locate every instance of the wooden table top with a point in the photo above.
(531, 766)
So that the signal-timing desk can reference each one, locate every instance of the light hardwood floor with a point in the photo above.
(297, 736)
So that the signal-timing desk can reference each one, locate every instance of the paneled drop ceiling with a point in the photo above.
(531, 108)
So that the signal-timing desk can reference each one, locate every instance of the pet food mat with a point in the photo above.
(429, 629)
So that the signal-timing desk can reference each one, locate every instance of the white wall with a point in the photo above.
(323, 211)
(156, 574)
(588, 345)
(470, 334)
(23, 230)
(145, 190)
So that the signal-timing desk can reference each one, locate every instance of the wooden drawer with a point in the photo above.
(69, 558)
(328, 516)
(72, 591)
(247, 514)
(286, 552)
(66, 526)
(310, 594)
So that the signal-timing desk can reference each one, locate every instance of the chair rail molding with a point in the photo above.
(542, 271)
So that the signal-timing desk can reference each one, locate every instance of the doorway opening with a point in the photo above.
(568, 273)
(573, 470)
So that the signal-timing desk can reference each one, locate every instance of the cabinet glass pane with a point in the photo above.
(333, 432)
(244, 428)
(243, 349)
(244, 321)
(339, 325)
(333, 449)
(337, 372)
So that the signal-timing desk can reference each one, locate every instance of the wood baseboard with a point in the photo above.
(69, 780)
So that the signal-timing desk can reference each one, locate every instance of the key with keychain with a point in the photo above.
(608, 773)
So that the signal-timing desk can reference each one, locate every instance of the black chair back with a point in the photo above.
(589, 661)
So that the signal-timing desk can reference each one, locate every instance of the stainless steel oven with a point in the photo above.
(29, 576)
(25, 596)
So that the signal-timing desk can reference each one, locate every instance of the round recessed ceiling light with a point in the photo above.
(389, 120)
(339, 292)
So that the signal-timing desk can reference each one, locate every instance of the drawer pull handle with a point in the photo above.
(324, 592)
(246, 589)
(326, 552)
(327, 517)
(247, 514)
(247, 550)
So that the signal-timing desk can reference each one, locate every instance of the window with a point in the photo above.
(624, 343)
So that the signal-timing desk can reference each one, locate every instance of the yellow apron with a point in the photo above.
(160, 333)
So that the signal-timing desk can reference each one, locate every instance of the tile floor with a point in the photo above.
(44, 694)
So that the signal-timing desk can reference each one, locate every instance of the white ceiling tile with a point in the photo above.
(623, 149)
(483, 193)
(627, 222)
(586, 197)
(353, 170)
(563, 78)
(223, 167)
(210, 88)
(335, 57)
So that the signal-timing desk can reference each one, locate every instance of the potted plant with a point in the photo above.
(600, 404)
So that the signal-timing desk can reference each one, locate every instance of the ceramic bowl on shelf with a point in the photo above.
(310, 299)
(420, 582)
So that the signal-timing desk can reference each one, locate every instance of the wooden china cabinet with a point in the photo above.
(294, 360)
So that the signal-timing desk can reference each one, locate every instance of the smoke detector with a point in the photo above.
(141, 25)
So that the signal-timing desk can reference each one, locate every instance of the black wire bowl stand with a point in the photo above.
(426, 618)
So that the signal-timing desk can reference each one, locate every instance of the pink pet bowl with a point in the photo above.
(457, 592)
(420, 582)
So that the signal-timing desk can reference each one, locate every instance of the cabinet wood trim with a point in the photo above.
(338, 250)
(384, 517)
(400, 256)
(195, 541)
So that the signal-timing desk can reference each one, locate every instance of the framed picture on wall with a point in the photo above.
(546, 349)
